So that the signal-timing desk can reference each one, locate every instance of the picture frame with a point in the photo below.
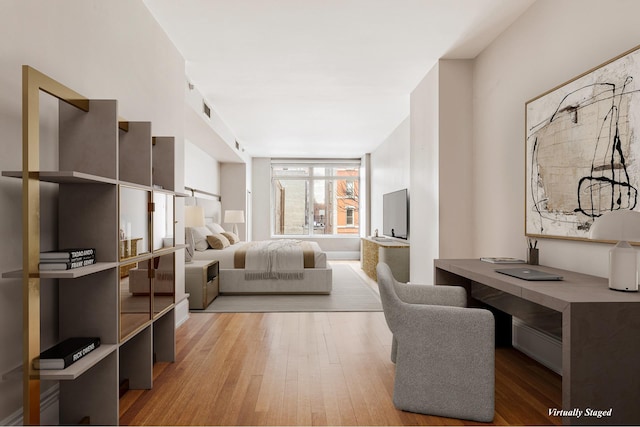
(582, 152)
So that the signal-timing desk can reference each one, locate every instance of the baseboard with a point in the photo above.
(537, 345)
(48, 409)
(182, 312)
(343, 255)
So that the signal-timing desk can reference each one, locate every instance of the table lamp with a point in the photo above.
(234, 217)
(623, 226)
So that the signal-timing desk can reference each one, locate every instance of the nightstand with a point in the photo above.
(201, 282)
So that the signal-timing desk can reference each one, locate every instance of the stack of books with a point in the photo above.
(66, 353)
(65, 259)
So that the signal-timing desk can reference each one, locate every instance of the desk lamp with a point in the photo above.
(623, 226)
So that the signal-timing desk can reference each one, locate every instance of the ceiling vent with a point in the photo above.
(206, 109)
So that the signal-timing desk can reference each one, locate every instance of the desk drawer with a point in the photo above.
(535, 315)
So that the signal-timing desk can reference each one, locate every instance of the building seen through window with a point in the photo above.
(315, 198)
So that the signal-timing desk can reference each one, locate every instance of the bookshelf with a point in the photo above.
(101, 157)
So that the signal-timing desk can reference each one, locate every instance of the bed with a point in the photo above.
(280, 266)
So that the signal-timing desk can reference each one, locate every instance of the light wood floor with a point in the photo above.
(308, 369)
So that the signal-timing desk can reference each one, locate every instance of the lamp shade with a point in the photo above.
(193, 216)
(234, 217)
(622, 226)
(617, 225)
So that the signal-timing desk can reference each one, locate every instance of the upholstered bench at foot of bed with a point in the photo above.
(314, 281)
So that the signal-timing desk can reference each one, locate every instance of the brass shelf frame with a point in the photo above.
(33, 81)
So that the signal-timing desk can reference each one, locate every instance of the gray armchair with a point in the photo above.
(444, 352)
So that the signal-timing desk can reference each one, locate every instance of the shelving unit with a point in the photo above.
(65, 274)
(100, 156)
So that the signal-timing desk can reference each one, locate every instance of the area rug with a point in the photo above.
(350, 293)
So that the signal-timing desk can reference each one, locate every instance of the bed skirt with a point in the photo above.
(315, 281)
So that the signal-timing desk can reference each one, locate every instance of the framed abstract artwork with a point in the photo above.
(583, 150)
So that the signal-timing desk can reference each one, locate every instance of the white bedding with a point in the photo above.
(225, 256)
(233, 281)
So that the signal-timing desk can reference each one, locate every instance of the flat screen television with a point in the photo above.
(395, 214)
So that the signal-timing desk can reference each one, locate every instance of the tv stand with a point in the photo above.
(387, 250)
(383, 239)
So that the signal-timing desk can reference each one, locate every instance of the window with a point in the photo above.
(349, 189)
(350, 215)
(315, 198)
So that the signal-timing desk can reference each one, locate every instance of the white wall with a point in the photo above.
(234, 194)
(441, 151)
(554, 41)
(389, 171)
(455, 175)
(261, 183)
(202, 172)
(424, 182)
(113, 50)
(211, 134)
(530, 57)
(214, 163)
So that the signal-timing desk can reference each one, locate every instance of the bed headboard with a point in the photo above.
(212, 208)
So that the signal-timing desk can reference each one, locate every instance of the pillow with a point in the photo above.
(200, 238)
(217, 241)
(233, 238)
(215, 228)
(190, 242)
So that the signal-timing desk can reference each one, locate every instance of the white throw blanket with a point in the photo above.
(275, 259)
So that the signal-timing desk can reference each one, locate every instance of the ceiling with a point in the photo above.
(324, 78)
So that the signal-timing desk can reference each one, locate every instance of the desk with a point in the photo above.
(599, 328)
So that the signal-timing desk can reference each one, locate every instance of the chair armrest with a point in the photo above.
(455, 296)
(454, 329)
(445, 361)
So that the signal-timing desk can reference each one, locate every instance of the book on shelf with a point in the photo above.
(66, 353)
(67, 259)
(45, 266)
(502, 260)
(69, 255)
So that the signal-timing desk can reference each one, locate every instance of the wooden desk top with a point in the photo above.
(557, 295)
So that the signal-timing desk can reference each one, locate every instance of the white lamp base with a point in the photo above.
(623, 268)
(235, 229)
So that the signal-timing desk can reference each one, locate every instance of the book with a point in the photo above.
(68, 254)
(67, 259)
(502, 260)
(47, 266)
(66, 353)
